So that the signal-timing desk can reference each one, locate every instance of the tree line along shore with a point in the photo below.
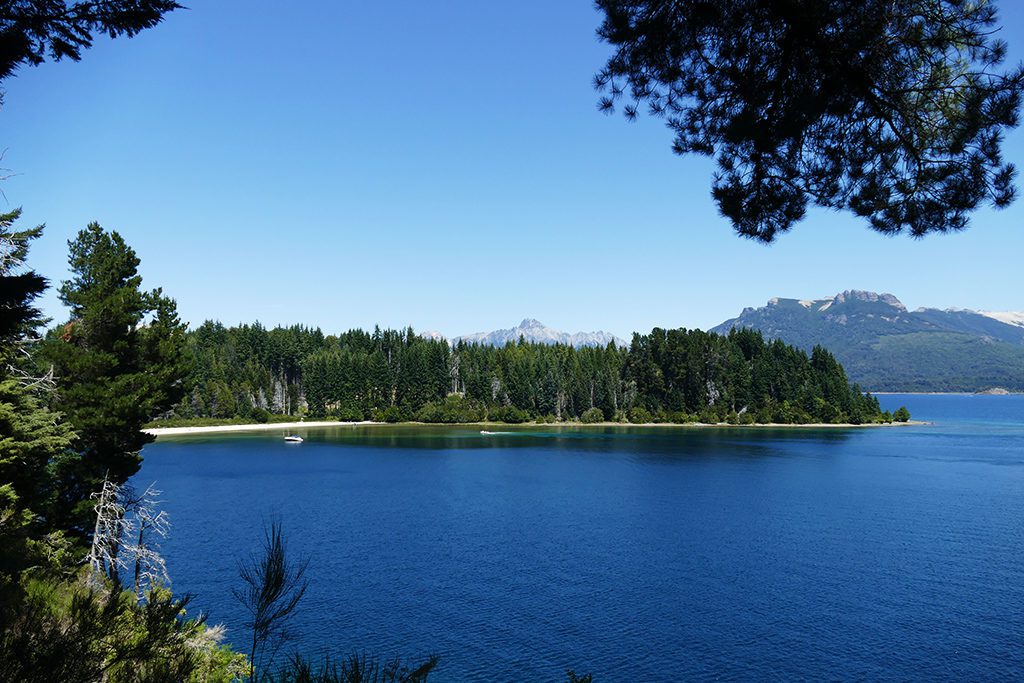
(251, 374)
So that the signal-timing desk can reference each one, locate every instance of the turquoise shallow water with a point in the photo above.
(635, 554)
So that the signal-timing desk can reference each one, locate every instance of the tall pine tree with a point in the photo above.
(118, 361)
(31, 437)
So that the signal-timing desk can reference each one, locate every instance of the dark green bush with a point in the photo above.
(453, 409)
(709, 416)
(640, 415)
(391, 414)
(509, 414)
(351, 414)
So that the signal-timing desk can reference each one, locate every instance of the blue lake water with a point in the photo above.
(633, 554)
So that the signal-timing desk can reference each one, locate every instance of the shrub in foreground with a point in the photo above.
(355, 669)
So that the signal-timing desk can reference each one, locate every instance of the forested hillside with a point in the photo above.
(395, 375)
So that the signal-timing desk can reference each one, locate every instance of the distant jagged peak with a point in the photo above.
(861, 295)
(876, 314)
(951, 309)
(804, 303)
(532, 330)
(850, 295)
(883, 346)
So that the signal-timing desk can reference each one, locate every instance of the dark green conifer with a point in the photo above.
(118, 361)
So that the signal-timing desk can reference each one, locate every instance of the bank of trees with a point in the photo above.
(395, 375)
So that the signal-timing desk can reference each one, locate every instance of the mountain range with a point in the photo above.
(885, 347)
(534, 331)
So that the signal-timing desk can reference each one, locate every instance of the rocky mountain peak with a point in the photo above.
(885, 347)
(860, 295)
(532, 330)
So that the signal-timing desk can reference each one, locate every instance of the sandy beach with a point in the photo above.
(293, 426)
(268, 427)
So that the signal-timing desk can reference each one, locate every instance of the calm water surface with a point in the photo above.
(637, 555)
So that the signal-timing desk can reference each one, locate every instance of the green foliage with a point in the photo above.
(709, 415)
(259, 415)
(32, 438)
(34, 30)
(894, 111)
(119, 360)
(509, 414)
(640, 415)
(901, 414)
(937, 361)
(69, 631)
(453, 409)
(350, 414)
(391, 414)
(19, 287)
(592, 416)
(213, 421)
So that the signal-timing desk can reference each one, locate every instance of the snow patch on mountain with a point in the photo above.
(1015, 318)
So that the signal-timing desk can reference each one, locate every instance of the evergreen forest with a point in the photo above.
(680, 376)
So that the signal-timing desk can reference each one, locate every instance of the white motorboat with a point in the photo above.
(293, 438)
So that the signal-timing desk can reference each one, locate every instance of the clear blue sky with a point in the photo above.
(442, 165)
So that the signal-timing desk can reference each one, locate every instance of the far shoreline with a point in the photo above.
(291, 426)
(945, 393)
